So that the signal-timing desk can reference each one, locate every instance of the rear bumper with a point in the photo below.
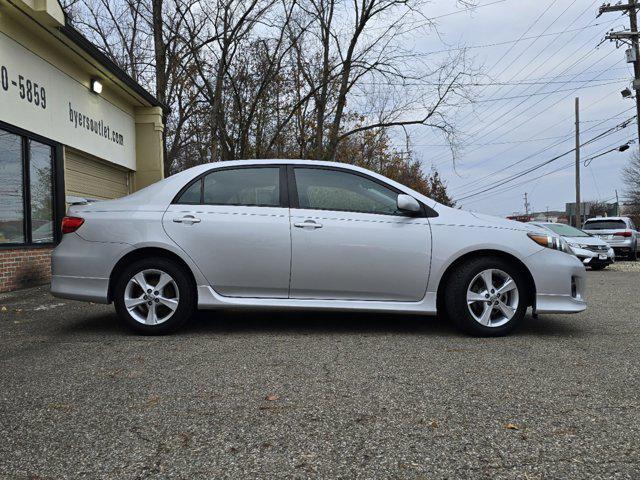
(80, 269)
(80, 288)
(620, 244)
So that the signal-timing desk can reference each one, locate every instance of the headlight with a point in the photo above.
(579, 245)
(549, 241)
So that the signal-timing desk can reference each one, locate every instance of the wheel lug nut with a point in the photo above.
(156, 293)
(157, 300)
(486, 295)
(149, 303)
(149, 291)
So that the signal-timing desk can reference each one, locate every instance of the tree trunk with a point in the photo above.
(160, 53)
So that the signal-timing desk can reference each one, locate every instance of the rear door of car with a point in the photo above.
(234, 223)
(349, 242)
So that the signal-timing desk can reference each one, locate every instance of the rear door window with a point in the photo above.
(258, 187)
(605, 225)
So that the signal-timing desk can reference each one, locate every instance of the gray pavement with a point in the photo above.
(358, 396)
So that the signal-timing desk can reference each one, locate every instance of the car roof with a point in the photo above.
(161, 193)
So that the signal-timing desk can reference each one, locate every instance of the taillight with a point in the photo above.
(622, 234)
(71, 224)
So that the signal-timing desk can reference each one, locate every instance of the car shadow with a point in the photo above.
(213, 322)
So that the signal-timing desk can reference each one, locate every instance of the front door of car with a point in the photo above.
(350, 242)
(234, 224)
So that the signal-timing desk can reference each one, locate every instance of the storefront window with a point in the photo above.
(36, 224)
(41, 180)
(11, 189)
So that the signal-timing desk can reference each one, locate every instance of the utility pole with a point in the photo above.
(526, 204)
(633, 55)
(578, 209)
(617, 204)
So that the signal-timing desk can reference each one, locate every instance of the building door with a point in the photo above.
(92, 178)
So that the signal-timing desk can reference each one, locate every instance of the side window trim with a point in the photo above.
(295, 203)
(282, 186)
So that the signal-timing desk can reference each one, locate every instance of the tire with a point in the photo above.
(468, 279)
(172, 304)
(633, 253)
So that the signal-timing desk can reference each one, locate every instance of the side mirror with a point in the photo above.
(408, 204)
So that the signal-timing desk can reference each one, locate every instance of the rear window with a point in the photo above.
(605, 225)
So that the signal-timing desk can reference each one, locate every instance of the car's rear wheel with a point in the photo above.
(633, 253)
(154, 296)
(486, 296)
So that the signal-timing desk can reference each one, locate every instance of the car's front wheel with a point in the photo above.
(154, 296)
(486, 296)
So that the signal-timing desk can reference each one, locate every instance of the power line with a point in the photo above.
(561, 63)
(485, 114)
(588, 54)
(571, 164)
(546, 162)
(608, 131)
(591, 105)
(529, 118)
(507, 42)
(468, 9)
(541, 81)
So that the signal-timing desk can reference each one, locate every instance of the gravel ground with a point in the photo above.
(625, 266)
(352, 396)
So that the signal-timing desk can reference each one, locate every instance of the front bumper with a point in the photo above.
(589, 257)
(560, 281)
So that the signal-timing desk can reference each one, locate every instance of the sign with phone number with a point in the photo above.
(26, 89)
(39, 97)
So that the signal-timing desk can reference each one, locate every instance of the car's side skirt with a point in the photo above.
(209, 299)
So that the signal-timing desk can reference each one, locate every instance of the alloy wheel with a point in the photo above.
(492, 298)
(151, 297)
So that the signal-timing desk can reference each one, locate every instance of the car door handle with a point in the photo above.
(308, 224)
(187, 220)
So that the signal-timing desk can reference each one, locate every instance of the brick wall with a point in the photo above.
(24, 267)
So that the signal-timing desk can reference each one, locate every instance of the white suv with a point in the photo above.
(619, 232)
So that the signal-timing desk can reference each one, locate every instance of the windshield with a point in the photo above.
(605, 225)
(566, 230)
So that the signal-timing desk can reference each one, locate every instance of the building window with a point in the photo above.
(41, 190)
(26, 189)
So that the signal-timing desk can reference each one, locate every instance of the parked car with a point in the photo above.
(290, 234)
(619, 232)
(592, 251)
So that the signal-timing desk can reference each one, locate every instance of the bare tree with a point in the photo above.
(631, 178)
(283, 78)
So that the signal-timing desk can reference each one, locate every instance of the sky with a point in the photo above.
(555, 53)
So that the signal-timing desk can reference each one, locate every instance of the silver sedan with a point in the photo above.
(592, 251)
(293, 234)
